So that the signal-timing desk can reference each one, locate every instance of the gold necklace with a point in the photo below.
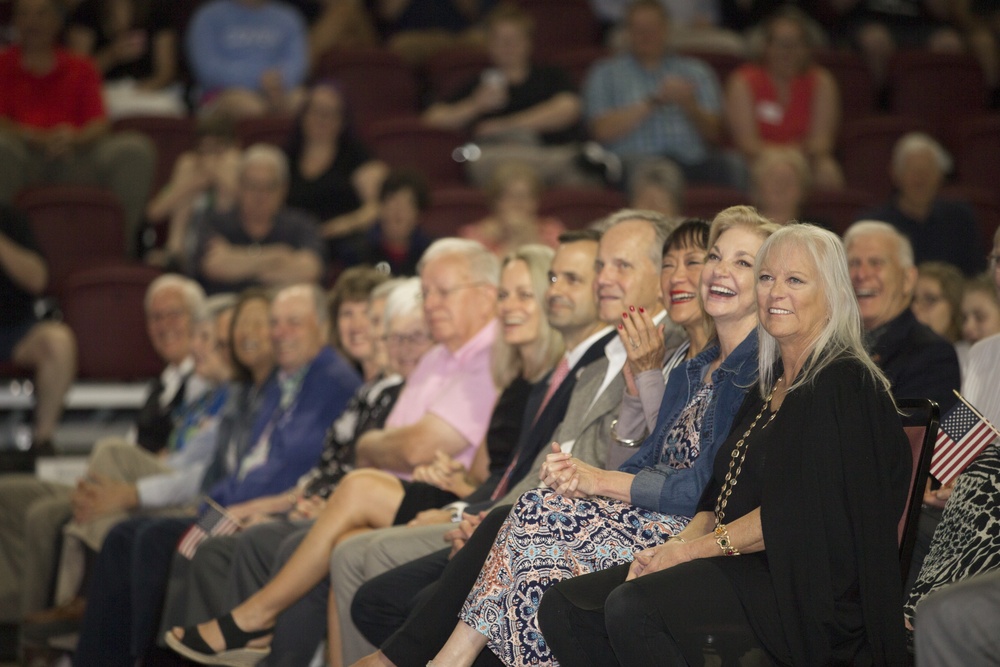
(740, 452)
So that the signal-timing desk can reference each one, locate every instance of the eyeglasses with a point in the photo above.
(418, 338)
(444, 293)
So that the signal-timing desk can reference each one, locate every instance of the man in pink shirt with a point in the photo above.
(448, 399)
(53, 128)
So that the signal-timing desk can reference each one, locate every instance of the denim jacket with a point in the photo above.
(668, 490)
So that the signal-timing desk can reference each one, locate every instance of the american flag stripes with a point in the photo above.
(962, 435)
(213, 522)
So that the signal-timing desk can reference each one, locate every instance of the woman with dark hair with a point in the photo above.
(396, 239)
(351, 333)
(332, 174)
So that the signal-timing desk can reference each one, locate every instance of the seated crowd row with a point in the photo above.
(647, 107)
(572, 420)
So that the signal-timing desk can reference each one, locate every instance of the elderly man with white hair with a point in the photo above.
(32, 511)
(939, 229)
(259, 242)
(918, 362)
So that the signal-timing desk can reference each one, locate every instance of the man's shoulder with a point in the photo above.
(330, 367)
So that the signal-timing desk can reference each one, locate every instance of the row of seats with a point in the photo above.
(937, 88)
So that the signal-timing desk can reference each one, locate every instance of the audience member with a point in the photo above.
(658, 186)
(918, 362)
(651, 104)
(336, 24)
(249, 558)
(748, 576)
(513, 192)
(124, 480)
(879, 28)
(351, 333)
(369, 498)
(332, 174)
(939, 229)
(780, 183)
(203, 179)
(417, 29)
(980, 23)
(396, 239)
(134, 45)
(937, 299)
(447, 402)
(47, 348)
(53, 128)
(980, 309)
(625, 276)
(311, 388)
(696, 25)
(957, 624)
(649, 498)
(248, 57)
(516, 109)
(785, 99)
(937, 303)
(646, 371)
(260, 241)
(34, 510)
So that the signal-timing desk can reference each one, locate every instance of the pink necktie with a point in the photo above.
(558, 375)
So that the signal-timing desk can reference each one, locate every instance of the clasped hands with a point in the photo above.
(568, 476)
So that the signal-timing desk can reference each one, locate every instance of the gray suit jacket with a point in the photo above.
(589, 426)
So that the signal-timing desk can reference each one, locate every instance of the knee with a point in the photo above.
(129, 150)
(623, 606)
(49, 344)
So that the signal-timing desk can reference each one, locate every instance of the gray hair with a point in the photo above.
(660, 224)
(904, 249)
(842, 336)
(215, 306)
(483, 265)
(382, 290)
(918, 141)
(661, 174)
(269, 155)
(403, 301)
(318, 298)
(193, 294)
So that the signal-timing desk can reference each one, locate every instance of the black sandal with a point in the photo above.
(236, 654)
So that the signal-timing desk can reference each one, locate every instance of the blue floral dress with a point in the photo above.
(549, 537)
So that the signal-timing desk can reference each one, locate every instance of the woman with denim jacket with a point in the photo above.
(591, 519)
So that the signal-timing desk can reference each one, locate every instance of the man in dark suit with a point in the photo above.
(918, 362)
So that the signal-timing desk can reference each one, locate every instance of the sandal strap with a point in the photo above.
(234, 636)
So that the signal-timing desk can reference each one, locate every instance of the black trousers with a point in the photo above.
(665, 618)
(426, 621)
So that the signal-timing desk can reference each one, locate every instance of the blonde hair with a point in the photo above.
(506, 363)
(842, 336)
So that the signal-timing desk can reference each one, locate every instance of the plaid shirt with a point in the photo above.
(621, 81)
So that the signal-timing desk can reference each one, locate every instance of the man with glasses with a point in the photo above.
(447, 401)
(260, 242)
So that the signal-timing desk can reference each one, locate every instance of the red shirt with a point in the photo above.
(70, 93)
(779, 124)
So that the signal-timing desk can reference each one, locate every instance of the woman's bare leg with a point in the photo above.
(461, 648)
(364, 498)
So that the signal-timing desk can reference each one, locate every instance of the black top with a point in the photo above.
(949, 234)
(830, 475)
(16, 304)
(918, 362)
(291, 227)
(331, 193)
(161, 17)
(542, 84)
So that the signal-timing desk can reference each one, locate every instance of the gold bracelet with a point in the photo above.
(722, 539)
(678, 539)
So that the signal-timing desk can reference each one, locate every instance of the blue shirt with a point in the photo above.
(231, 44)
(677, 490)
(622, 81)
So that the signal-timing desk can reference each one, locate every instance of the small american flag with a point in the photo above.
(214, 521)
(963, 434)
